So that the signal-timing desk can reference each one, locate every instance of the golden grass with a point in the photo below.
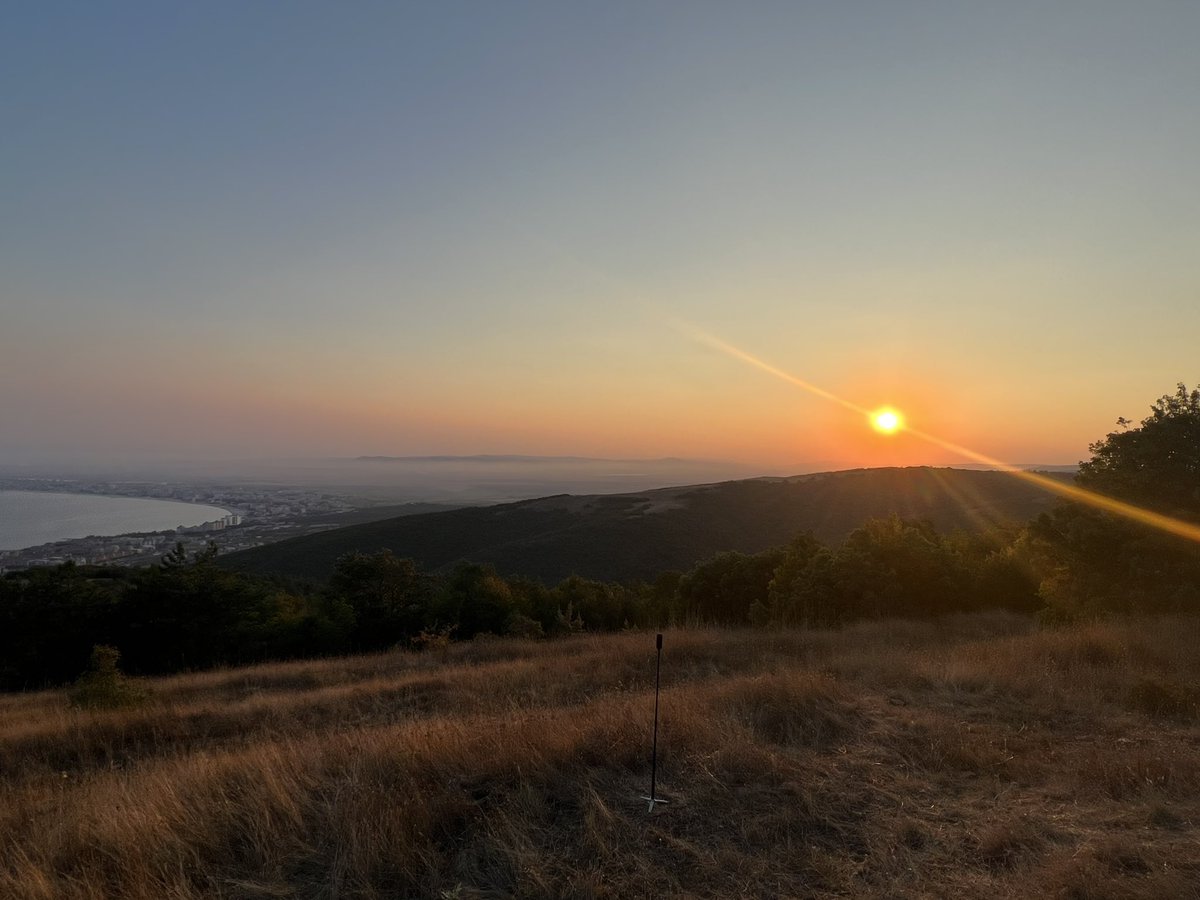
(975, 756)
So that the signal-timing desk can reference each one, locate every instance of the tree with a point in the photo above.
(597, 604)
(389, 596)
(1092, 562)
(723, 589)
(475, 600)
(801, 590)
(899, 567)
(1156, 464)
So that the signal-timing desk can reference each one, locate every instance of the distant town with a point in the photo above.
(257, 515)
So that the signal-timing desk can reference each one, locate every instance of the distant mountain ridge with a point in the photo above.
(638, 535)
(502, 458)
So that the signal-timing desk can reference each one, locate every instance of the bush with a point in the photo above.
(523, 626)
(104, 686)
(435, 640)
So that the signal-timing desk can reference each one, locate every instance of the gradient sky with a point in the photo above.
(308, 229)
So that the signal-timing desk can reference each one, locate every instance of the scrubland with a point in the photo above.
(973, 756)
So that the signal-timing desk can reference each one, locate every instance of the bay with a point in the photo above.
(30, 518)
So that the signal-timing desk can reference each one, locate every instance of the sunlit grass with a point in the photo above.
(975, 756)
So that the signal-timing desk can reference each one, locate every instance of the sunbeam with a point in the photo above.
(1169, 524)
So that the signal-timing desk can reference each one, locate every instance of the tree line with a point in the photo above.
(188, 613)
(1074, 562)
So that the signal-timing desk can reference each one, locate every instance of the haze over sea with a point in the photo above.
(30, 518)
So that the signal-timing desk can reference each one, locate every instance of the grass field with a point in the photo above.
(969, 757)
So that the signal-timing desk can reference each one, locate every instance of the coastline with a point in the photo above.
(90, 523)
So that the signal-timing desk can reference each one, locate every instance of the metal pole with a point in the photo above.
(652, 799)
(654, 746)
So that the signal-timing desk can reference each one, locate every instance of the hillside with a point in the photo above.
(973, 757)
(622, 537)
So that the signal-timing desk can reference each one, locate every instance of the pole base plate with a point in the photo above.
(650, 801)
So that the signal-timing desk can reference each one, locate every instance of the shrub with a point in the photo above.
(103, 685)
(435, 640)
(523, 626)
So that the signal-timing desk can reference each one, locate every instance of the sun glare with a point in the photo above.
(887, 420)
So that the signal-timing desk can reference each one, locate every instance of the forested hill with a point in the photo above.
(619, 537)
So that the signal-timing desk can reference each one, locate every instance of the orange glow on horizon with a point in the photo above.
(883, 418)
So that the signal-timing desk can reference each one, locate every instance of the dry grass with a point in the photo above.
(974, 757)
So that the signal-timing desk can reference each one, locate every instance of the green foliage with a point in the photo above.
(387, 597)
(190, 613)
(1156, 464)
(598, 605)
(1092, 563)
(887, 567)
(893, 567)
(723, 589)
(476, 599)
(178, 615)
(1002, 572)
(802, 589)
(567, 621)
(176, 558)
(659, 599)
(521, 626)
(103, 686)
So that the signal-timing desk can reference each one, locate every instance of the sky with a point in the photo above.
(233, 230)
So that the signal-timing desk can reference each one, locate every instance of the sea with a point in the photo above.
(30, 518)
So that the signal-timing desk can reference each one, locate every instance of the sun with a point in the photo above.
(887, 420)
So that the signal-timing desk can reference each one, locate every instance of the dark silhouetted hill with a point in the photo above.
(629, 536)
